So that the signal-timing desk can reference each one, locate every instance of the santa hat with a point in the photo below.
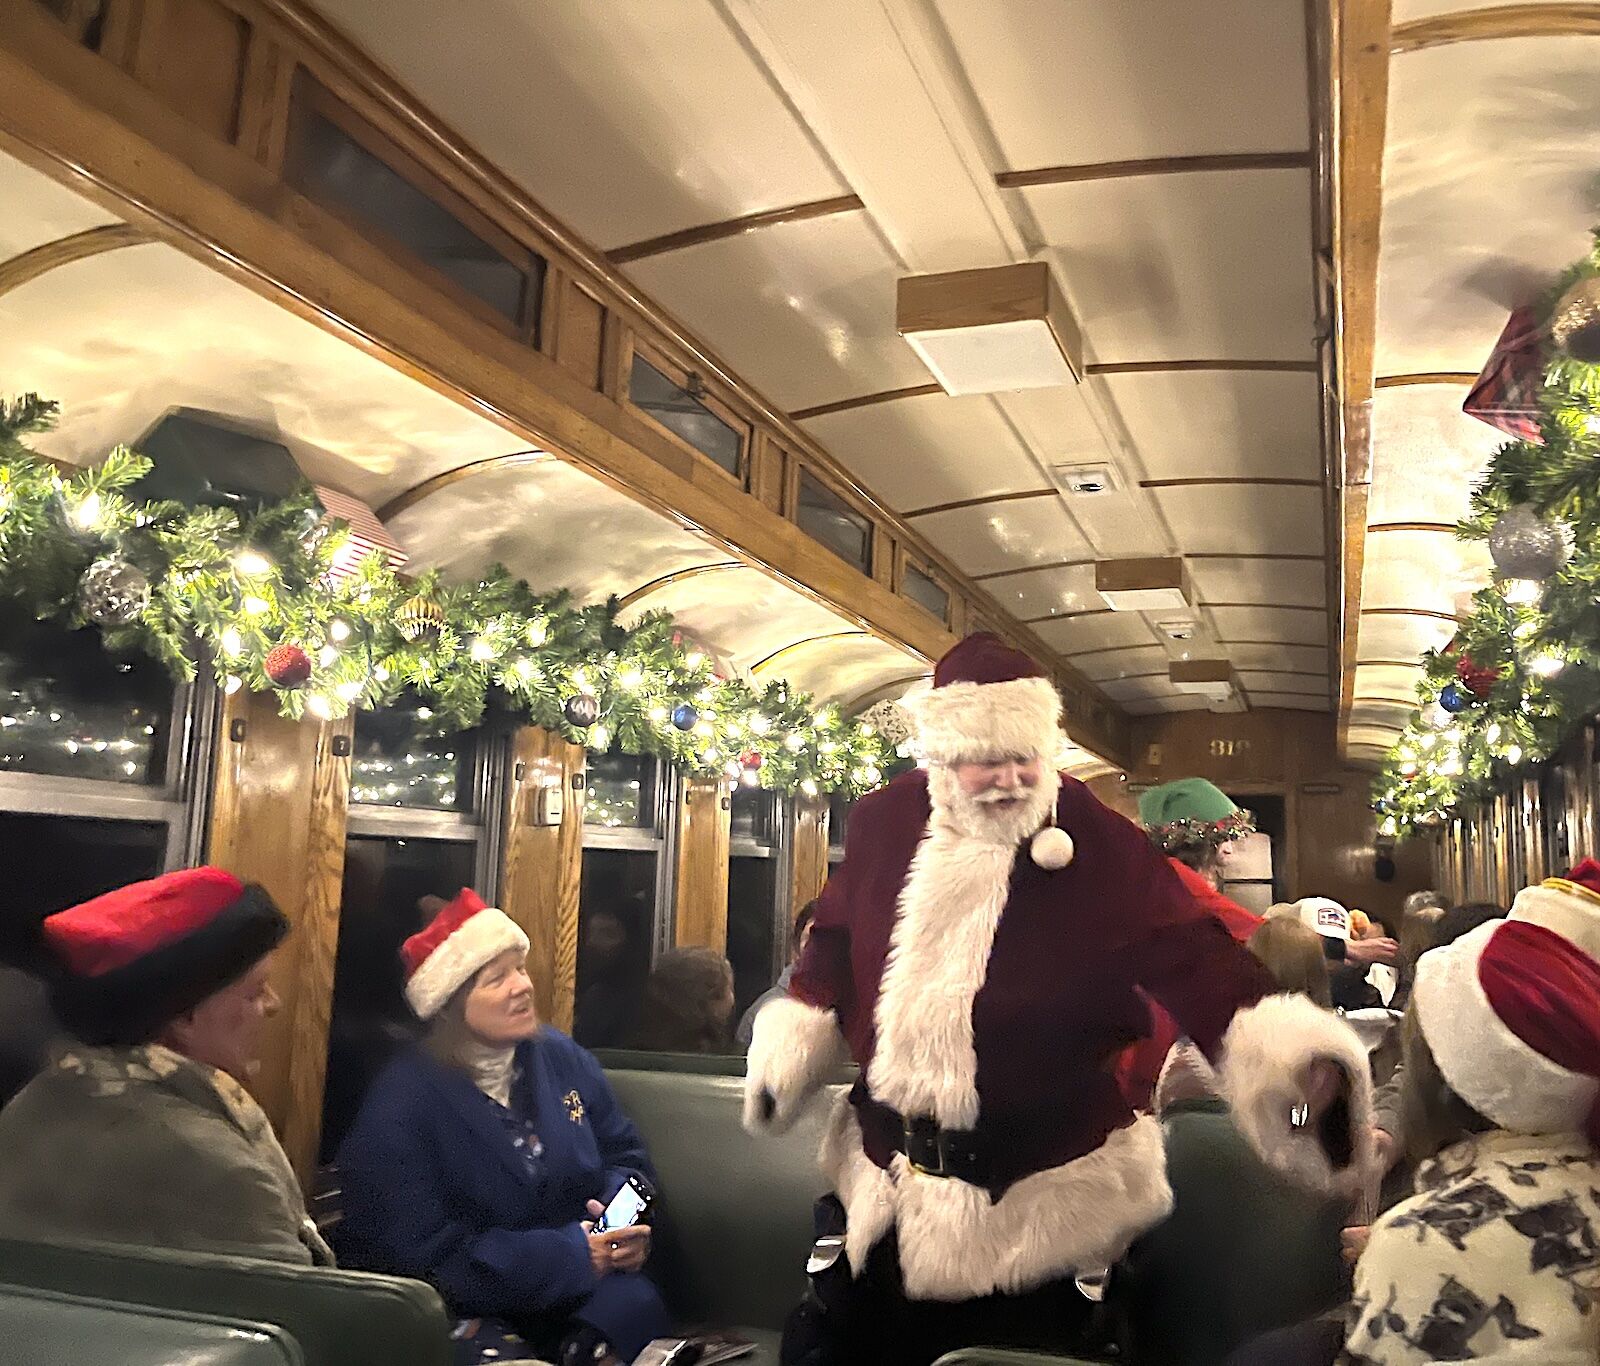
(464, 937)
(1328, 918)
(136, 958)
(1511, 1011)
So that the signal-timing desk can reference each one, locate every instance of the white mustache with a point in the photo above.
(994, 795)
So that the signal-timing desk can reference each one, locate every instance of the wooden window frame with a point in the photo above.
(905, 560)
(878, 541)
(309, 96)
(711, 398)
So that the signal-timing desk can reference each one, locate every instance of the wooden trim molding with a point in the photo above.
(1157, 367)
(879, 691)
(403, 502)
(1443, 527)
(844, 405)
(655, 585)
(1424, 377)
(1410, 612)
(1069, 616)
(1390, 664)
(29, 265)
(1268, 607)
(1146, 166)
(1019, 497)
(809, 640)
(734, 227)
(1240, 481)
(1497, 21)
(1035, 569)
(1255, 555)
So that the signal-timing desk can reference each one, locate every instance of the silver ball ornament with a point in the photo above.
(1525, 546)
(1575, 324)
(113, 591)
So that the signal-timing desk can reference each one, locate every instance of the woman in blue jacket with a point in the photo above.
(482, 1156)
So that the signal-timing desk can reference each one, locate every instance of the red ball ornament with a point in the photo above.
(1478, 681)
(750, 760)
(287, 665)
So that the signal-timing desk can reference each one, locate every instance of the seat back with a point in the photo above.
(339, 1318)
(43, 1328)
(735, 1216)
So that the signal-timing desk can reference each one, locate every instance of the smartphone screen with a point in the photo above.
(625, 1208)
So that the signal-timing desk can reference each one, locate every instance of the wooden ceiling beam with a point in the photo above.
(29, 265)
(734, 227)
(1497, 21)
(1148, 166)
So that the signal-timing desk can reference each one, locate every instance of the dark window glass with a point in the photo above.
(826, 517)
(754, 815)
(839, 808)
(336, 170)
(616, 919)
(69, 709)
(752, 926)
(681, 413)
(924, 591)
(403, 758)
(384, 882)
(621, 790)
(1557, 831)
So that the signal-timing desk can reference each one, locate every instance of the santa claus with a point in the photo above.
(979, 954)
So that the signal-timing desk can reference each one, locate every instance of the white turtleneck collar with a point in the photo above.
(490, 1067)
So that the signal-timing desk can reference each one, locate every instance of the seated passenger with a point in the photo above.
(688, 1004)
(1350, 959)
(801, 935)
(481, 1156)
(142, 1132)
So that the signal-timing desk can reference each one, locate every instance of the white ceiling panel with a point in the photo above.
(1139, 659)
(1388, 680)
(1138, 78)
(1406, 637)
(1228, 423)
(1287, 583)
(1372, 737)
(1057, 423)
(1101, 631)
(555, 527)
(1427, 454)
(1258, 681)
(842, 668)
(120, 339)
(1046, 592)
(1270, 623)
(1283, 701)
(1272, 658)
(1377, 715)
(996, 536)
(1182, 701)
(918, 452)
(1136, 689)
(804, 311)
(1405, 11)
(626, 121)
(1262, 520)
(1186, 266)
(52, 210)
(1422, 569)
(1488, 191)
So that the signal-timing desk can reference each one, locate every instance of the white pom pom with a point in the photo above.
(1052, 848)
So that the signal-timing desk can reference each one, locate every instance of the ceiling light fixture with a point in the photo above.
(1145, 585)
(1209, 678)
(990, 331)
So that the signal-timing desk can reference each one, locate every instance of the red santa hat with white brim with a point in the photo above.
(990, 701)
(1511, 1011)
(459, 942)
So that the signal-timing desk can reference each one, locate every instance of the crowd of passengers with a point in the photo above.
(490, 1142)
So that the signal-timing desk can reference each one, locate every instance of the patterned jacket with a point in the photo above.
(143, 1146)
(1495, 1259)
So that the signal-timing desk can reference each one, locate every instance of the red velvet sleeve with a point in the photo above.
(822, 977)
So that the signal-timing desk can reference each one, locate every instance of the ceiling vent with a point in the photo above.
(1159, 585)
(1185, 628)
(991, 331)
(1088, 481)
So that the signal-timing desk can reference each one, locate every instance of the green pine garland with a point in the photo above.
(225, 591)
(1545, 650)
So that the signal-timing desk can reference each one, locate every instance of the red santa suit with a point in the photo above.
(986, 997)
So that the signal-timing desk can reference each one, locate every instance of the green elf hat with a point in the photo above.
(1191, 811)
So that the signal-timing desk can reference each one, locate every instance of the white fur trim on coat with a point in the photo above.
(963, 721)
(479, 939)
(795, 1047)
(1265, 1047)
(958, 1244)
(1485, 1064)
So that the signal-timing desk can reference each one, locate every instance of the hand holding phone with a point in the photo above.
(628, 1206)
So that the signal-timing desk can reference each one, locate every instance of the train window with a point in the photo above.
(348, 166)
(757, 905)
(924, 590)
(839, 808)
(620, 791)
(827, 518)
(688, 413)
(404, 758)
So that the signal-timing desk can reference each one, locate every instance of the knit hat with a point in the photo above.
(1327, 918)
(1191, 811)
(460, 940)
(137, 958)
(1511, 1011)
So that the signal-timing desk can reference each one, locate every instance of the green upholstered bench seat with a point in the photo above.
(46, 1328)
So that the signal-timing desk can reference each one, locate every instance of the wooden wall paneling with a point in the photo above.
(278, 818)
(810, 850)
(191, 53)
(543, 871)
(769, 464)
(75, 15)
(265, 89)
(701, 891)
(579, 331)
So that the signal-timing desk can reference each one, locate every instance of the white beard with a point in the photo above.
(973, 818)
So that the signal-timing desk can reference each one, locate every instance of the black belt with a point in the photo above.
(929, 1149)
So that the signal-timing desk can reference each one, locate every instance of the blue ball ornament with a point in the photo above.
(685, 717)
(1453, 698)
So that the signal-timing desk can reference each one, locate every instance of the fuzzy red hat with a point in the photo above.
(988, 701)
(1511, 1011)
(460, 940)
(136, 958)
